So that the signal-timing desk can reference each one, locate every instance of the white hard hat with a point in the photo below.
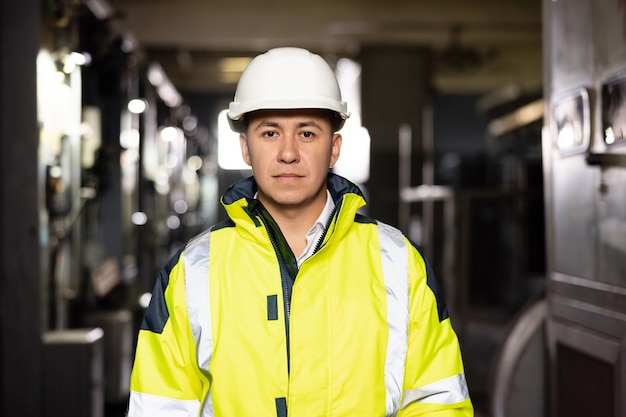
(286, 78)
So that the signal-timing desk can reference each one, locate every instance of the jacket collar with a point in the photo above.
(347, 197)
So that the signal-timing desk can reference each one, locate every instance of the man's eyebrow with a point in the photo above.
(269, 123)
(309, 123)
(266, 123)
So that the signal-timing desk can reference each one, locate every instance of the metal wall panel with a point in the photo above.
(572, 216)
(612, 227)
(585, 49)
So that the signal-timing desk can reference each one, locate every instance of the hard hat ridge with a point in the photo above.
(286, 78)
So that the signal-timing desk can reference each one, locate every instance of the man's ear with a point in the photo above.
(245, 153)
(335, 149)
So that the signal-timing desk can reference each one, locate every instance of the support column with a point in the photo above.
(21, 301)
(395, 90)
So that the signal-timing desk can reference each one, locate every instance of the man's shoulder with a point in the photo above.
(221, 225)
(202, 238)
(364, 219)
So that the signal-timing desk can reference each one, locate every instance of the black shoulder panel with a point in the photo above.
(359, 218)
(157, 314)
(242, 189)
(433, 284)
(339, 186)
(223, 225)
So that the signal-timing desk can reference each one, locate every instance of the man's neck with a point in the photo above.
(295, 221)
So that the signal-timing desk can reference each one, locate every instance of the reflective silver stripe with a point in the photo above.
(394, 255)
(144, 405)
(446, 391)
(207, 407)
(196, 263)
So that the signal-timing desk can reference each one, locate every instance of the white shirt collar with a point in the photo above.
(316, 231)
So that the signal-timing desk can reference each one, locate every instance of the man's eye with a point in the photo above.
(269, 134)
(308, 134)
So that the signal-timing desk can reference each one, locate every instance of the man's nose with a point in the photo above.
(289, 152)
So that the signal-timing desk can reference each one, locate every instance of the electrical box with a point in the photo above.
(118, 351)
(73, 373)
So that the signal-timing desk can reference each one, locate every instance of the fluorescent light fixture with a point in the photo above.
(234, 64)
(194, 163)
(354, 159)
(170, 133)
(228, 149)
(80, 58)
(230, 69)
(137, 105)
(100, 8)
(165, 89)
(130, 139)
(139, 218)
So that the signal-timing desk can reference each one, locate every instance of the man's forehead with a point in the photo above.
(289, 113)
(299, 116)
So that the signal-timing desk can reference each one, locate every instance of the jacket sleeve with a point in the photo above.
(166, 380)
(434, 381)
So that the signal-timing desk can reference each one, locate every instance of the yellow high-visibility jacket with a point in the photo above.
(235, 329)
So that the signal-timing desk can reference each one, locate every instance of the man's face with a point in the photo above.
(290, 152)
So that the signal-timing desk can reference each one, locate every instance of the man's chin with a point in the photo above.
(289, 202)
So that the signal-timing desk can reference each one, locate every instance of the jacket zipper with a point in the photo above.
(318, 244)
(285, 274)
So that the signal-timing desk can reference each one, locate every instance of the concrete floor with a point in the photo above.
(481, 338)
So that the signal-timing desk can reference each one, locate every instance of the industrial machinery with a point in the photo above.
(120, 163)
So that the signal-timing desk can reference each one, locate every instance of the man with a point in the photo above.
(297, 305)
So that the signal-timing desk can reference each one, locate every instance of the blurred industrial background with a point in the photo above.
(491, 132)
